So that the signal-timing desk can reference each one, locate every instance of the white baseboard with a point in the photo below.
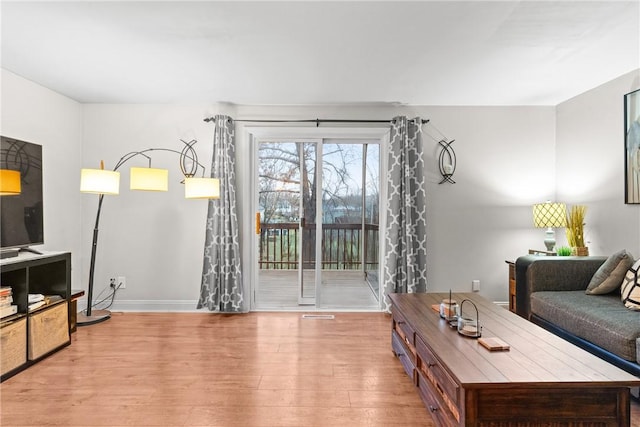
(190, 306)
(149, 305)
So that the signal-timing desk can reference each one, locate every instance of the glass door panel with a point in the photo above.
(286, 220)
(278, 187)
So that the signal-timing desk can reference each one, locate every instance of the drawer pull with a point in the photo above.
(430, 364)
(401, 322)
(433, 408)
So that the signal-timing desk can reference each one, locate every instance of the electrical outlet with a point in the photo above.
(122, 282)
(112, 283)
(475, 285)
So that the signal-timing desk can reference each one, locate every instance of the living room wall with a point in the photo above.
(156, 240)
(506, 162)
(36, 114)
(590, 165)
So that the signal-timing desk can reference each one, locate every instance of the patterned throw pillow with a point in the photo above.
(631, 287)
(611, 273)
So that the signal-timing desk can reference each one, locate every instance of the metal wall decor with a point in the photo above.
(447, 161)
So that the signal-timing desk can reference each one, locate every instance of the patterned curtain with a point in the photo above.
(221, 288)
(405, 268)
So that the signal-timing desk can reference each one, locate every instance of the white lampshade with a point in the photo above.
(10, 183)
(202, 188)
(149, 179)
(99, 181)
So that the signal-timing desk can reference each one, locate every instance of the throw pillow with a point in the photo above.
(609, 276)
(631, 287)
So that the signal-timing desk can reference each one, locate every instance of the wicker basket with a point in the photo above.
(48, 330)
(581, 251)
(13, 342)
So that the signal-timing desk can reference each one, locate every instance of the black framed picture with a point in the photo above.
(632, 147)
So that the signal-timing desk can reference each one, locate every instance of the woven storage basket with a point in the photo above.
(13, 342)
(581, 251)
(48, 330)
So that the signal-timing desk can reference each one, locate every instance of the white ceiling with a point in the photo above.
(302, 52)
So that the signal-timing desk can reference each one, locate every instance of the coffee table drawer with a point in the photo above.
(434, 403)
(403, 328)
(432, 369)
(407, 359)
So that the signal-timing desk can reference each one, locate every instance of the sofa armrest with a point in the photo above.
(536, 273)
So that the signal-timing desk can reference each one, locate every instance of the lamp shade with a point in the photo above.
(201, 188)
(99, 181)
(149, 179)
(549, 215)
(9, 182)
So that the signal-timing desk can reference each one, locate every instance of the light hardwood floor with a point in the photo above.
(200, 369)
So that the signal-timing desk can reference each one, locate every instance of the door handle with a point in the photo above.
(258, 230)
(302, 222)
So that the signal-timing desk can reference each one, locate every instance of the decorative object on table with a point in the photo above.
(575, 230)
(449, 308)
(564, 251)
(549, 215)
(632, 147)
(494, 344)
(104, 182)
(468, 326)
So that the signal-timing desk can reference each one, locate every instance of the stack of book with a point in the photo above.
(7, 308)
(36, 301)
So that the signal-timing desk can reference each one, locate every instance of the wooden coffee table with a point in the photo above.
(542, 380)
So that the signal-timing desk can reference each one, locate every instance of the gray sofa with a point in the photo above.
(550, 291)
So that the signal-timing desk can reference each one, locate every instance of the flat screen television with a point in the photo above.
(21, 216)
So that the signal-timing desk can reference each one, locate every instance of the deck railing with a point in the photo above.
(344, 246)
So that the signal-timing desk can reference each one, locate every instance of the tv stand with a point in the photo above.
(31, 334)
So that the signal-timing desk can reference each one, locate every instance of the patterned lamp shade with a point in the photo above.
(9, 182)
(549, 215)
(149, 179)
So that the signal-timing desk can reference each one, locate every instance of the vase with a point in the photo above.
(580, 251)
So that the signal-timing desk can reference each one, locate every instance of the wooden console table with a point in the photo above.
(541, 381)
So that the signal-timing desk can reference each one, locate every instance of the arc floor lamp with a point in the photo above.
(107, 182)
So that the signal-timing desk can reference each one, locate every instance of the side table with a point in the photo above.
(73, 309)
(512, 285)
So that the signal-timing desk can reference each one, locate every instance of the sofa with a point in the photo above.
(551, 292)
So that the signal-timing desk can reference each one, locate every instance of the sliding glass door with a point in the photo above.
(317, 223)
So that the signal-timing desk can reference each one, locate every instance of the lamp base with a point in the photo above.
(97, 316)
(550, 239)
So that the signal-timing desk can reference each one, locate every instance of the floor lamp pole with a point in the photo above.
(91, 316)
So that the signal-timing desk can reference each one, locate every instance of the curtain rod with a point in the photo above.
(316, 121)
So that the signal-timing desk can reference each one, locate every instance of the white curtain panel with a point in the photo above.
(405, 267)
(221, 289)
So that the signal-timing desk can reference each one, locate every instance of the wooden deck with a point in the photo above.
(341, 289)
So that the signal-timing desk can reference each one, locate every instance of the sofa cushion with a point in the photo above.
(630, 290)
(601, 319)
(609, 276)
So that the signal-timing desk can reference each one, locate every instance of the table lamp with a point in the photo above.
(549, 215)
